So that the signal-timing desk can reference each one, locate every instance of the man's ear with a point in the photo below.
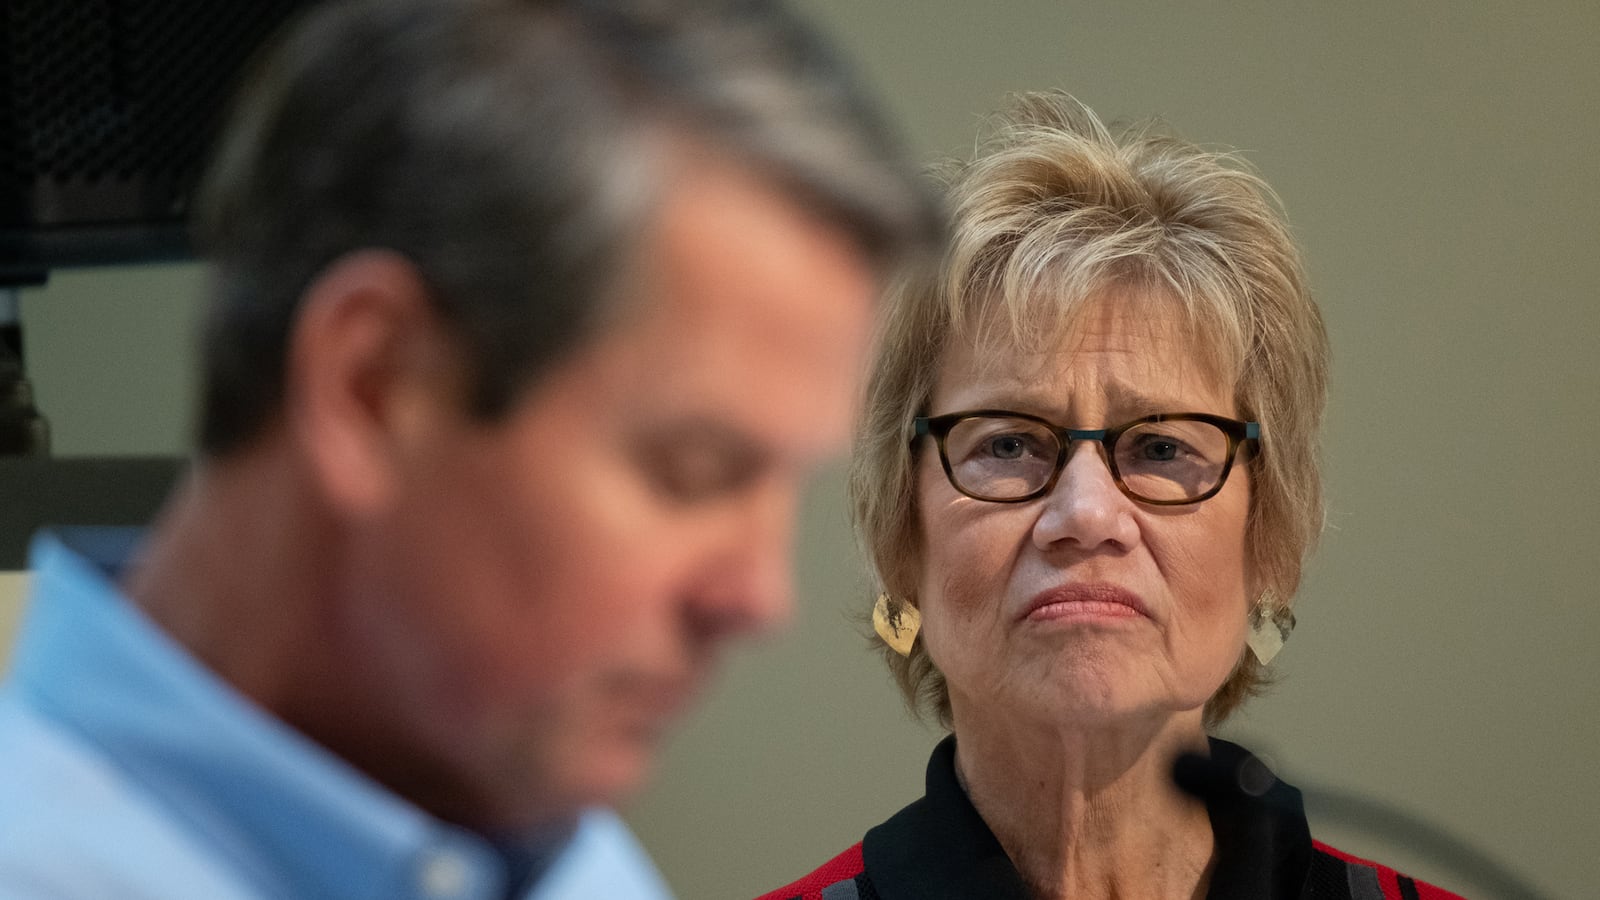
(371, 372)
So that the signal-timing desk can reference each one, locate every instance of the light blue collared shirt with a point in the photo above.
(129, 770)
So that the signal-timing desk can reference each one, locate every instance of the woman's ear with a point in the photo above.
(371, 370)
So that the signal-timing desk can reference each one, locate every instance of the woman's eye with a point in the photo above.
(1007, 446)
(1158, 450)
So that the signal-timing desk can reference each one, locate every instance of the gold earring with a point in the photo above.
(1269, 629)
(898, 628)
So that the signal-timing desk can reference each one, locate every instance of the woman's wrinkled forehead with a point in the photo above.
(1013, 334)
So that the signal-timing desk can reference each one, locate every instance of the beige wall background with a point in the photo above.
(1438, 162)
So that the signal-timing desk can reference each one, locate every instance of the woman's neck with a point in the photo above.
(1090, 814)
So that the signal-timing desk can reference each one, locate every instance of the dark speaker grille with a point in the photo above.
(109, 105)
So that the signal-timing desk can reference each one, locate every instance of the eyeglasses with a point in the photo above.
(1167, 459)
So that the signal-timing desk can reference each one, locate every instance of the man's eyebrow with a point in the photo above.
(704, 429)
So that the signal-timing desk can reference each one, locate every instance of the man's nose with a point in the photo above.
(754, 591)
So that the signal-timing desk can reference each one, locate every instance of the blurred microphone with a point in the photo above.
(1208, 779)
(1213, 781)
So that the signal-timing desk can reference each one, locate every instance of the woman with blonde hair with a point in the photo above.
(1087, 480)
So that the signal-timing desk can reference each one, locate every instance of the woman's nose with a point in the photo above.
(1085, 507)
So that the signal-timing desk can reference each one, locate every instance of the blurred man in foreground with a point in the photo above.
(528, 321)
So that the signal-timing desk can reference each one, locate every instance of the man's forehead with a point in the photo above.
(746, 310)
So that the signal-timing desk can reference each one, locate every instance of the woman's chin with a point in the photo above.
(1089, 698)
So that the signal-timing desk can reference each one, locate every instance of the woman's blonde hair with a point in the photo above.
(1056, 210)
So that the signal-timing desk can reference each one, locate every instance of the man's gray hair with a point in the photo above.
(510, 150)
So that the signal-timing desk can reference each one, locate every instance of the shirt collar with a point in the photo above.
(940, 846)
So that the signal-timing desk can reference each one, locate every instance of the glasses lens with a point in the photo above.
(1171, 460)
(1000, 458)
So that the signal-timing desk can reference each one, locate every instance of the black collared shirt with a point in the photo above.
(939, 848)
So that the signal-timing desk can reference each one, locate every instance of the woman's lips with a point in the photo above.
(1085, 601)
